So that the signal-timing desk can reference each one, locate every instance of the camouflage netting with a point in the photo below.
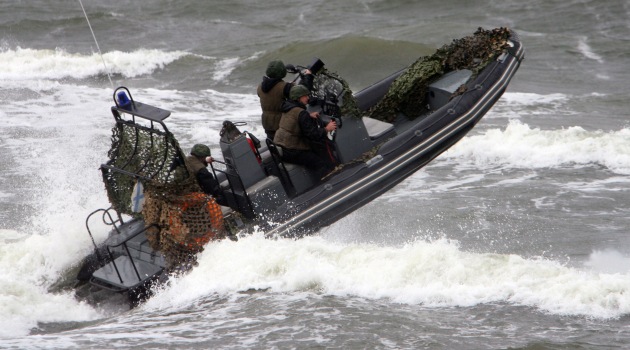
(187, 218)
(471, 52)
(327, 83)
(141, 152)
(188, 222)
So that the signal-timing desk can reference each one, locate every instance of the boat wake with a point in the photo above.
(428, 273)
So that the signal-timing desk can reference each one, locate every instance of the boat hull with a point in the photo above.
(127, 263)
(401, 156)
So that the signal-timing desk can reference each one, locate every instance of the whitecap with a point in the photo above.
(585, 49)
(28, 64)
(520, 146)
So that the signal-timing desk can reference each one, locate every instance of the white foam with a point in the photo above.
(24, 300)
(225, 67)
(7, 236)
(59, 141)
(434, 274)
(27, 64)
(585, 49)
(608, 261)
(615, 183)
(532, 99)
(515, 105)
(521, 146)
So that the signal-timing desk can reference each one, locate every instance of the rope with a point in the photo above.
(99, 49)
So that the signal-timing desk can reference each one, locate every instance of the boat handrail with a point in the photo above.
(123, 241)
(142, 149)
(117, 239)
(112, 222)
(230, 176)
(282, 170)
(120, 239)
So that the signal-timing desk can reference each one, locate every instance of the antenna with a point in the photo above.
(99, 49)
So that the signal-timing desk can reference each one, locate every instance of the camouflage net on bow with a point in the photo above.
(472, 52)
(188, 218)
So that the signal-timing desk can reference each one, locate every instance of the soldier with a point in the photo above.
(302, 135)
(272, 91)
(197, 163)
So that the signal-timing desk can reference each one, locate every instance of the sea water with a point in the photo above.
(517, 237)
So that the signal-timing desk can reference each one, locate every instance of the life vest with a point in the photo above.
(289, 134)
(271, 103)
(194, 165)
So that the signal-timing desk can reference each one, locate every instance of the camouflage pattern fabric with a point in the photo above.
(327, 83)
(140, 152)
(187, 218)
(188, 223)
(472, 52)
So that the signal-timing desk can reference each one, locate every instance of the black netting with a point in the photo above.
(139, 153)
(186, 217)
(330, 87)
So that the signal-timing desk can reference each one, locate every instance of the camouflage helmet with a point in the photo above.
(298, 91)
(276, 69)
(200, 150)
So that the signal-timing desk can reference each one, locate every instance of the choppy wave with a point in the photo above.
(61, 148)
(25, 64)
(26, 262)
(361, 60)
(522, 146)
(55, 128)
(433, 274)
(531, 99)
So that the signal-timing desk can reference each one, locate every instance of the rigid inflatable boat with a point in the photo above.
(159, 219)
